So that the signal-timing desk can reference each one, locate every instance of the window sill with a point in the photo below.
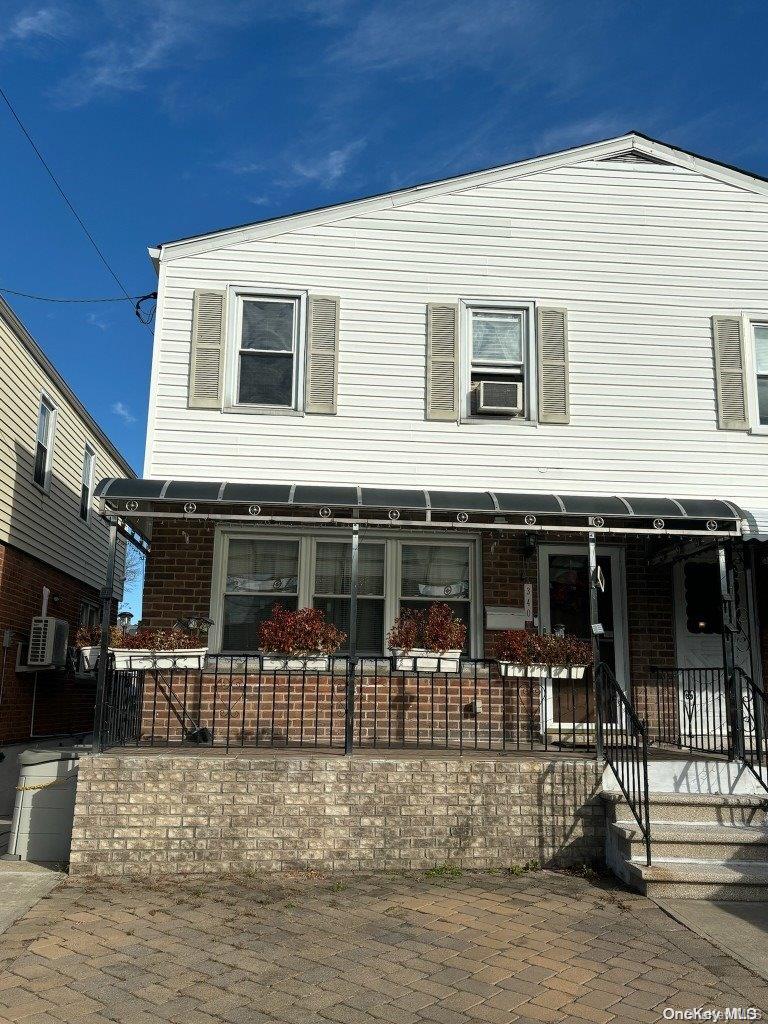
(258, 410)
(499, 421)
(761, 431)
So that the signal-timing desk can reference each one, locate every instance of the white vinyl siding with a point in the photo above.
(48, 525)
(640, 255)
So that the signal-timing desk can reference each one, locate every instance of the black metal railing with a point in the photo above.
(686, 708)
(248, 701)
(752, 708)
(624, 745)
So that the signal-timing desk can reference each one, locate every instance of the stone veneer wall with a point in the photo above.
(207, 813)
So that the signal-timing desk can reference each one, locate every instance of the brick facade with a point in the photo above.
(153, 813)
(61, 703)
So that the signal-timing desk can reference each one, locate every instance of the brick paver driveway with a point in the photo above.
(446, 948)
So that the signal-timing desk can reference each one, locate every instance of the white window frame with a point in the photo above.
(86, 483)
(467, 307)
(307, 538)
(750, 322)
(236, 295)
(45, 402)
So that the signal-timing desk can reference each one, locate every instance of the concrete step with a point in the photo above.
(720, 809)
(702, 880)
(699, 841)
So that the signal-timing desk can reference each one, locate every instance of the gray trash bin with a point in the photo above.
(41, 829)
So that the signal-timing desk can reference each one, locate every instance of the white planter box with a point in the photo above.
(419, 660)
(285, 663)
(512, 669)
(126, 658)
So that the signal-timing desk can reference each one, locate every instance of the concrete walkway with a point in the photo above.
(739, 929)
(442, 947)
(21, 886)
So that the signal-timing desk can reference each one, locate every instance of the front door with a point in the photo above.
(564, 607)
(699, 642)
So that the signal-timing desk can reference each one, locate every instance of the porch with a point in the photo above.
(665, 589)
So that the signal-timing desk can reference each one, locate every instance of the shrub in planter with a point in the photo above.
(145, 648)
(427, 639)
(517, 650)
(298, 639)
(522, 652)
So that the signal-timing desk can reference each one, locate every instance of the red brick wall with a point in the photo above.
(177, 580)
(62, 705)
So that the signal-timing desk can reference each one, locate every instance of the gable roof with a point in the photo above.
(632, 143)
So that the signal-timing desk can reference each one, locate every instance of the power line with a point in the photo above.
(49, 298)
(67, 200)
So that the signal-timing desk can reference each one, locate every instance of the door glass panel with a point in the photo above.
(569, 600)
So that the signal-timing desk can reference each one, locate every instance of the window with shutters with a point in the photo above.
(499, 357)
(268, 339)
(46, 425)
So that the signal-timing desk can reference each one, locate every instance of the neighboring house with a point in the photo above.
(538, 393)
(52, 541)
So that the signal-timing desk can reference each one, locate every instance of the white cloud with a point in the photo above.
(327, 168)
(427, 38)
(121, 409)
(37, 23)
(96, 321)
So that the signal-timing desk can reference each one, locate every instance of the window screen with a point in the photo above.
(333, 565)
(267, 352)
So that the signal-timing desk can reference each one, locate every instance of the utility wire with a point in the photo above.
(49, 298)
(66, 199)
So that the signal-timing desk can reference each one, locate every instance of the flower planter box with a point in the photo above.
(132, 658)
(419, 660)
(293, 663)
(514, 670)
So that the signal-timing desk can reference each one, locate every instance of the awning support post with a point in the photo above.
(107, 595)
(729, 628)
(594, 630)
(349, 715)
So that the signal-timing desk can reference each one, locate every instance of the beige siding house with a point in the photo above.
(52, 454)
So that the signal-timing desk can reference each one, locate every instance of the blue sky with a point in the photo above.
(164, 118)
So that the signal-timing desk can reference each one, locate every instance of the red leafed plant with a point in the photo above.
(302, 632)
(434, 628)
(524, 647)
(143, 639)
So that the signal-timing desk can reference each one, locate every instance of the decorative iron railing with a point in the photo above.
(624, 745)
(239, 703)
(753, 710)
(686, 708)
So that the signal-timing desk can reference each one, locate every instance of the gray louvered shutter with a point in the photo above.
(442, 361)
(552, 338)
(730, 373)
(322, 354)
(207, 356)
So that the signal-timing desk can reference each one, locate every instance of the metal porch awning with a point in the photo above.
(139, 500)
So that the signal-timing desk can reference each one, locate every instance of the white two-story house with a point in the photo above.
(479, 372)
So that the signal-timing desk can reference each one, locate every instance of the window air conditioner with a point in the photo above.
(48, 642)
(500, 397)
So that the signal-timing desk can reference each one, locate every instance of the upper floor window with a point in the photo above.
(86, 488)
(268, 347)
(760, 338)
(500, 358)
(46, 422)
